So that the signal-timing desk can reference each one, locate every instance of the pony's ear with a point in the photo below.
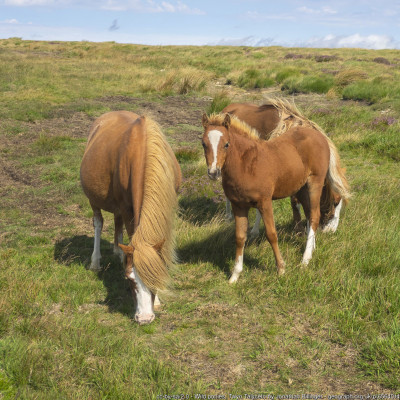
(205, 121)
(128, 250)
(157, 247)
(227, 121)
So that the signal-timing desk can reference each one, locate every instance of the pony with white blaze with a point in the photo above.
(272, 119)
(130, 170)
(254, 172)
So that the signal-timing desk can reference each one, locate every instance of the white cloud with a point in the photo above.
(176, 7)
(28, 3)
(246, 41)
(150, 6)
(375, 42)
(10, 21)
(323, 11)
(259, 17)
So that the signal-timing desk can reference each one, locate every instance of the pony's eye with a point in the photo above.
(226, 145)
(204, 145)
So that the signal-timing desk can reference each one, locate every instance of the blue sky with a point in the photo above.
(310, 23)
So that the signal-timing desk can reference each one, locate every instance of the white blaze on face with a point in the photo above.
(214, 137)
(144, 308)
(333, 223)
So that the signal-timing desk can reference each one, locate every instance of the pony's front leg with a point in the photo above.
(98, 226)
(270, 230)
(241, 224)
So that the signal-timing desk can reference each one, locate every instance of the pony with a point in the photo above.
(254, 172)
(129, 169)
(273, 119)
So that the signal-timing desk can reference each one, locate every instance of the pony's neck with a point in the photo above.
(242, 150)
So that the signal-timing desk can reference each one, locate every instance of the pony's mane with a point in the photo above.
(240, 127)
(290, 117)
(157, 212)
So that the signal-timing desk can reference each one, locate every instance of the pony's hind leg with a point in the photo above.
(296, 209)
(270, 230)
(118, 235)
(315, 189)
(241, 224)
(98, 226)
(256, 227)
(228, 211)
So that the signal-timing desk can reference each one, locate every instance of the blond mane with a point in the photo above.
(157, 213)
(290, 117)
(241, 127)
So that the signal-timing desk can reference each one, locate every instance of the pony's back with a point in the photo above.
(263, 118)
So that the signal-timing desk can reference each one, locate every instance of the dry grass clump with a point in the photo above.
(347, 76)
(183, 81)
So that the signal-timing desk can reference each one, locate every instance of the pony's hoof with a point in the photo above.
(281, 271)
(233, 278)
(95, 266)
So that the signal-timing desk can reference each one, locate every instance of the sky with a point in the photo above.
(366, 24)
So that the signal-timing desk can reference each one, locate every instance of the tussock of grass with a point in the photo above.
(308, 84)
(347, 76)
(255, 79)
(219, 102)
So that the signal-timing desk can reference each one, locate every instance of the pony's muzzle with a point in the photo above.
(143, 319)
(214, 173)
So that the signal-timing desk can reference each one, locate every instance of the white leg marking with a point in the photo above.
(310, 246)
(144, 303)
(333, 223)
(214, 136)
(237, 269)
(96, 256)
(256, 228)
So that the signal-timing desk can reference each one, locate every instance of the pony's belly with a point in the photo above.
(281, 193)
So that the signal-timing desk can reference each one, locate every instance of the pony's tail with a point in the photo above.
(336, 180)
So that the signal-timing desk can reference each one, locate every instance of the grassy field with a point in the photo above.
(332, 328)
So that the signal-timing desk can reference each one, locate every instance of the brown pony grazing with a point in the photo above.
(255, 172)
(130, 170)
(273, 119)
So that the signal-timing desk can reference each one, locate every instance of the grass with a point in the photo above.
(65, 332)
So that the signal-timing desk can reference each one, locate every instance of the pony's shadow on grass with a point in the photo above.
(78, 249)
(199, 210)
(218, 247)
